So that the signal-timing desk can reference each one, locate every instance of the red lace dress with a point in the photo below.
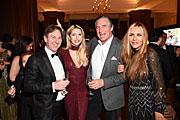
(76, 101)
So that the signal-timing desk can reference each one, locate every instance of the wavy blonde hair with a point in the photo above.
(82, 51)
(135, 65)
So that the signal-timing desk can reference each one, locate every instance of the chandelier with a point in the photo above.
(101, 6)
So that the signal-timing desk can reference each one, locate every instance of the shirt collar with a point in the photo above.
(48, 51)
(154, 43)
(108, 41)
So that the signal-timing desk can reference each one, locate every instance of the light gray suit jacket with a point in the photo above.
(113, 90)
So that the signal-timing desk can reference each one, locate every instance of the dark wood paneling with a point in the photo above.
(143, 16)
(178, 12)
(51, 17)
(123, 29)
(19, 17)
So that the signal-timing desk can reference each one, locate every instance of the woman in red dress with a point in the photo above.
(75, 61)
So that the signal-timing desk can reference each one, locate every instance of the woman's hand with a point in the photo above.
(59, 24)
(159, 116)
(120, 68)
(12, 91)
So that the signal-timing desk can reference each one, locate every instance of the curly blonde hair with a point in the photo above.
(135, 65)
(82, 50)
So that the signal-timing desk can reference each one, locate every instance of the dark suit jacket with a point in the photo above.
(113, 91)
(171, 52)
(39, 76)
(166, 63)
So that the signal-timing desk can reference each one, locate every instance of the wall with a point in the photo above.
(164, 19)
(160, 19)
(19, 18)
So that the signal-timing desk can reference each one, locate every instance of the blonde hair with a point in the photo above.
(82, 51)
(135, 65)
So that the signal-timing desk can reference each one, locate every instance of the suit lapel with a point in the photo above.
(111, 52)
(93, 46)
(48, 64)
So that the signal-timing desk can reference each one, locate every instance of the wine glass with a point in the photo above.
(64, 92)
(90, 91)
(1, 61)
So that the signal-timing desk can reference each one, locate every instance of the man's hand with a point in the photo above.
(96, 84)
(61, 84)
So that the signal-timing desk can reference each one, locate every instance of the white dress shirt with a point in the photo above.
(98, 58)
(164, 47)
(58, 70)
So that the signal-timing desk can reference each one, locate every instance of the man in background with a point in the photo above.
(156, 40)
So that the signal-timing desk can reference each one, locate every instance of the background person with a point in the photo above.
(170, 50)
(8, 43)
(8, 109)
(156, 39)
(24, 43)
(24, 99)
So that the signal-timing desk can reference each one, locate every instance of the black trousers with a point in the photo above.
(57, 110)
(25, 112)
(96, 105)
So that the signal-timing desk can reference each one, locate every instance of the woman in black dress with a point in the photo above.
(23, 98)
(143, 72)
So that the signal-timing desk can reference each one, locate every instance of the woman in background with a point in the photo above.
(75, 61)
(143, 71)
(8, 109)
(24, 99)
(23, 44)
(8, 43)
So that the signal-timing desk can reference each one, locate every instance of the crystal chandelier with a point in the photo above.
(101, 6)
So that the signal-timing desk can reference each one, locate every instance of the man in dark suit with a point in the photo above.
(107, 84)
(44, 78)
(170, 49)
(156, 39)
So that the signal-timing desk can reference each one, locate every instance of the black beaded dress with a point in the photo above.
(147, 96)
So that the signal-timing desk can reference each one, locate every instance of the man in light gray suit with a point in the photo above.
(107, 83)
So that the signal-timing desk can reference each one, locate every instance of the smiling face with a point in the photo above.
(53, 40)
(103, 29)
(136, 37)
(76, 37)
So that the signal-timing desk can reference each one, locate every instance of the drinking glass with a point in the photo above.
(1, 61)
(90, 91)
(64, 92)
